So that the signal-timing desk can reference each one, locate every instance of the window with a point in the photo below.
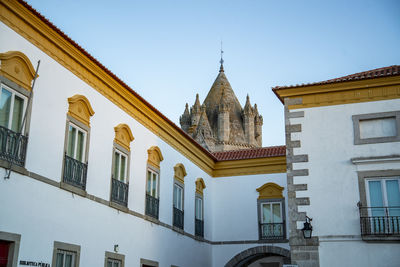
(199, 208)
(66, 255)
(76, 144)
(148, 263)
(152, 181)
(178, 215)
(114, 260)
(16, 75)
(380, 204)
(113, 263)
(152, 202)
(376, 128)
(271, 225)
(65, 258)
(13, 140)
(271, 212)
(75, 167)
(12, 107)
(120, 165)
(178, 191)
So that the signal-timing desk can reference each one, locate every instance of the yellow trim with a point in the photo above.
(270, 190)
(17, 67)
(22, 21)
(155, 156)
(80, 109)
(250, 166)
(123, 136)
(200, 186)
(384, 88)
(180, 173)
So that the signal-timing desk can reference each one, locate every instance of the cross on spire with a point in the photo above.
(221, 68)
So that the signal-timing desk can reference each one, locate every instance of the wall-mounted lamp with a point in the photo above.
(307, 229)
(116, 248)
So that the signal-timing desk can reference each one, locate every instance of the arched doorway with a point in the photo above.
(261, 256)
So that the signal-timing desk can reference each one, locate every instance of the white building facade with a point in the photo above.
(343, 143)
(94, 175)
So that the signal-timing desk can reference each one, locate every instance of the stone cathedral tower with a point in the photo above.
(220, 123)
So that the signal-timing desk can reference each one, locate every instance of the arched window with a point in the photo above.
(178, 195)
(120, 164)
(153, 180)
(199, 208)
(16, 76)
(271, 212)
(77, 144)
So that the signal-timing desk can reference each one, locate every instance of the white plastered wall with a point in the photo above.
(327, 137)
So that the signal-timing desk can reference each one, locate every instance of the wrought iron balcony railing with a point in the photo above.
(152, 205)
(119, 192)
(380, 221)
(12, 146)
(74, 172)
(199, 227)
(178, 218)
(272, 230)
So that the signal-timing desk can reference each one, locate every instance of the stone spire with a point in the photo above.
(258, 123)
(195, 111)
(248, 121)
(221, 123)
(185, 120)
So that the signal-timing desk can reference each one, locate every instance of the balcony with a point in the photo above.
(272, 231)
(199, 227)
(152, 205)
(178, 218)
(380, 223)
(74, 172)
(119, 192)
(12, 146)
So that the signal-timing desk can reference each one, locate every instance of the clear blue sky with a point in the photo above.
(168, 51)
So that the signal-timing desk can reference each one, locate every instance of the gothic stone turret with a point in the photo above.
(220, 123)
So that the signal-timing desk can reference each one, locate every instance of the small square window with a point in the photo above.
(376, 128)
(114, 259)
(66, 255)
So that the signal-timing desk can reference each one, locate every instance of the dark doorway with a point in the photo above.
(4, 249)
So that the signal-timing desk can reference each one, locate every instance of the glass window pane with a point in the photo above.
(116, 264)
(60, 259)
(276, 211)
(179, 196)
(68, 260)
(375, 197)
(154, 186)
(80, 146)
(17, 114)
(148, 188)
(393, 197)
(5, 104)
(266, 213)
(116, 165)
(109, 263)
(123, 166)
(175, 200)
(71, 141)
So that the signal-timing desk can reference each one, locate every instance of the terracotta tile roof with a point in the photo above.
(115, 77)
(262, 152)
(375, 73)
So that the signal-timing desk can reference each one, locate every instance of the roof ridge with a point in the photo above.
(392, 70)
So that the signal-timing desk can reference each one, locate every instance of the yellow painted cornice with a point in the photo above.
(32, 28)
(346, 92)
(250, 166)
